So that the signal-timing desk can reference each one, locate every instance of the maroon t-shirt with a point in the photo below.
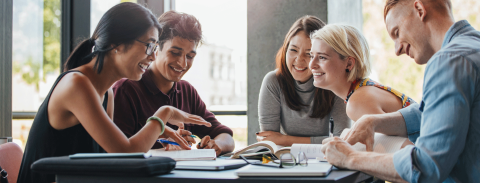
(136, 101)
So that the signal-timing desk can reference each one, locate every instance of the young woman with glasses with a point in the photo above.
(76, 116)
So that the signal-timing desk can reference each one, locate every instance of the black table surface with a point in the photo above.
(184, 176)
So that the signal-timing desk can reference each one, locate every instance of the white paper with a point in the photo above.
(182, 155)
(383, 143)
(311, 150)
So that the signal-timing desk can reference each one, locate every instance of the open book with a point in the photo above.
(259, 148)
(186, 155)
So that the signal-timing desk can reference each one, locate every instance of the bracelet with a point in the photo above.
(159, 121)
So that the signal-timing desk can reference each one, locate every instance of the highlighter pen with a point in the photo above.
(169, 142)
(194, 136)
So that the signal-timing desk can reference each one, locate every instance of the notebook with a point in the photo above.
(219, 164)
(186, 155)
(319, 169)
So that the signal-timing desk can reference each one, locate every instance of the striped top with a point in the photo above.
(406, 101)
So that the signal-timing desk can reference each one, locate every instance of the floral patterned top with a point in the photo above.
(406, 101)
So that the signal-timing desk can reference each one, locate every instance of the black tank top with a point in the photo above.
(45, 141)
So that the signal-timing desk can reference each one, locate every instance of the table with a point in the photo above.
(184, 176)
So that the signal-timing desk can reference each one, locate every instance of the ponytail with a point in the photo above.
(78, 57)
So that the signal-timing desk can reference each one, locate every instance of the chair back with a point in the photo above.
(10, 159)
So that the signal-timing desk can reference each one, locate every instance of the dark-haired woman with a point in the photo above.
(290, 109)
(76, 116)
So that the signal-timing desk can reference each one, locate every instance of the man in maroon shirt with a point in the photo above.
(136, 101)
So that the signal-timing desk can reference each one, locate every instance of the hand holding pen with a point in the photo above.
(172, 145)
(187, 135)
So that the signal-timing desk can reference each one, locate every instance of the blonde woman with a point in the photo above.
(290, 109)
(340, 63)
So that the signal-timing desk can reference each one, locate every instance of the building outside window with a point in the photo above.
(219, 69)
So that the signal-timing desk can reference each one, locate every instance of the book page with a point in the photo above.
(194, 154)
(383, 143)
(254, 148)
(311, 150)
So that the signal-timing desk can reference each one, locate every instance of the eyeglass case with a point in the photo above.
(105, 166)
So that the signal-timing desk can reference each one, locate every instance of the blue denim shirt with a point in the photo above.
(445, 127)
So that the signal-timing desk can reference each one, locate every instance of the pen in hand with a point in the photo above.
(194, 136)
(331, 126)
(169, 142)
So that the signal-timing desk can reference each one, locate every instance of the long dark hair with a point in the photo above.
(121, 24)
(323, 101)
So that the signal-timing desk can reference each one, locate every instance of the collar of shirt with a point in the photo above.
(147, 80)
(454, 31)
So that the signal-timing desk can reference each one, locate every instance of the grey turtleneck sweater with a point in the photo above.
(275, 115)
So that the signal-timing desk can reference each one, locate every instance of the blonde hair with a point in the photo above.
(347, 41)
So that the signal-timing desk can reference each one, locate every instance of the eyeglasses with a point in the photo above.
(151, 47)
(287, 160)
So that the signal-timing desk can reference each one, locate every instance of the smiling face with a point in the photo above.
(134, 61)
(175, 59)
(298, 56)
(410, 34)
(327, 67)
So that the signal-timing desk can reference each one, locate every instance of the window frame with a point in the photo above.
(6, 24)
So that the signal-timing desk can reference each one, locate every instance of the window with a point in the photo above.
(36, 57)
(219, 69)
(401, 72)
(99, 7)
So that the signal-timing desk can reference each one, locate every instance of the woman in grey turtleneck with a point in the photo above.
(290, 109)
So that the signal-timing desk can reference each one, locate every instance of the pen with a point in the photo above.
(169, 142)
(194, 136)
(331, 126)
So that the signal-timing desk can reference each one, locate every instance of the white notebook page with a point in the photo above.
(383, 143)
(194, 154)
(311, 150)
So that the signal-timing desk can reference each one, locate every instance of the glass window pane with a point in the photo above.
(401, 72)
(21, 129)
(35, 58)
(36, 51)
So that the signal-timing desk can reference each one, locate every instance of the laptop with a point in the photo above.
(219, 164)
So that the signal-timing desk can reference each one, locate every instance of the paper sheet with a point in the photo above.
(311, 150)
(183, 155)
(383, 143)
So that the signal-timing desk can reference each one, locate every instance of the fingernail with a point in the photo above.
(257, 133)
